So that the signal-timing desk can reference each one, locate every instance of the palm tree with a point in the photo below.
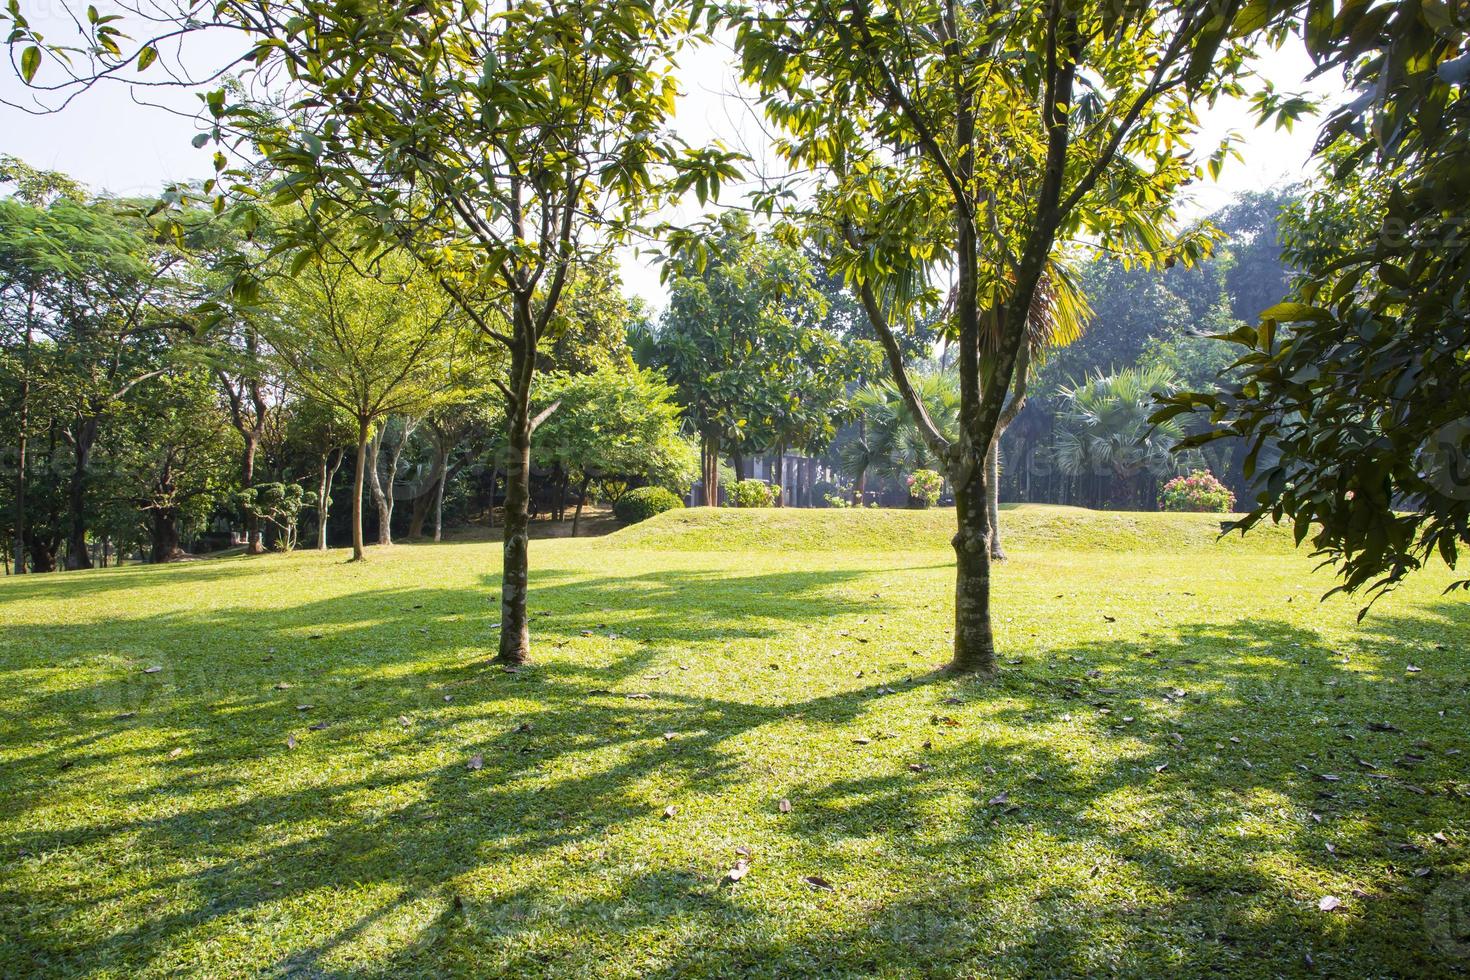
(889, 442)
(1103, 427)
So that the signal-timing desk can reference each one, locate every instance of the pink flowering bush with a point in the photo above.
(1199, 492)
(925, 485)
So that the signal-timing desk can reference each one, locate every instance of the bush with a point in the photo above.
(1199, 492)
(926, 485)
(837, 500)
(823, 490)
(750, 493)
(643, 503)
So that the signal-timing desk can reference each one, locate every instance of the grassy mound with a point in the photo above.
(1024, 527)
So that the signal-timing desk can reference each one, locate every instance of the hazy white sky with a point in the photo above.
(112, 141)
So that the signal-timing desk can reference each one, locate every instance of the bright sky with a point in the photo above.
(112, 141)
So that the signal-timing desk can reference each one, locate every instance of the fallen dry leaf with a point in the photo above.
(669, 812)
(784, 806)
(290, 741)
(738, 871)
(320, 726)
(819, 883)
(476, 763)
(1000, 798)
(1329, 903)
(151, 670)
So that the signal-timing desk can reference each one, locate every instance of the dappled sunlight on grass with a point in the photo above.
(1142, 790)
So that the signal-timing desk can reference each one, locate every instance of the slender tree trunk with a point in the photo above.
(494, 482)
(992, 498)
(364, 429)
(253, 545)
(330, 463)
(737, 460)
(515, 629)
(711, 478)
(77, 555)
(380, 499)
(423, 502)
(439, 505)
(780, 474)
(410, 425)
(321, 508)
(581, 499)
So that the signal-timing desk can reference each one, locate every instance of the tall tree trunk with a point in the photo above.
(737, 462)
(494, 482)
(424, 501)
(380, 499)
(364, 431)
(410, 425)
(85, 436)
(330, 463)
(18, 548)
(992, 498)
(253, 545)
(515, 628)
(439, 506)
(581, 499)
(321, 508)
(974, 642)
(711, 467)
(780, 474)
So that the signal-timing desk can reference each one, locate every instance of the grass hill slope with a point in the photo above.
(1024, 527)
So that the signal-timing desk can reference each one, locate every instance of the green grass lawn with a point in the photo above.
(1186, 753)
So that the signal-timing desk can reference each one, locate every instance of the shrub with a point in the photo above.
(1199, 492)
(837, 500)
(925, 485)
(643, 503)
(750, 493)
(825, 490)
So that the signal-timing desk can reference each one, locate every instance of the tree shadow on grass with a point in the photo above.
(1091, 812)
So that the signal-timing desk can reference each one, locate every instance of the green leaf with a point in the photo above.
(1295, 313)
(30, 61)
(147, 56)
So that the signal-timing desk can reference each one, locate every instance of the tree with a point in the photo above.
(891, 444)
(732, 339)
(369, 345)
(173, 455)
(1104, 428)
(101, 294)
(955, 137)
(231, 342)
(324, 431)
(1353, 394)
(27, 258)
(591, 328)
(614, 426)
